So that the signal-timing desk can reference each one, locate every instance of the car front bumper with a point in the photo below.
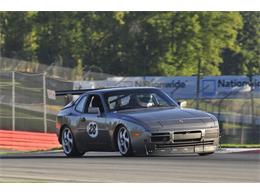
(189, 141)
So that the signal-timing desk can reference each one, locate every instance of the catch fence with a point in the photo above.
(27, 101)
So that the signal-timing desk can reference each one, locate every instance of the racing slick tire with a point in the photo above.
(124, 142)
(69, 145)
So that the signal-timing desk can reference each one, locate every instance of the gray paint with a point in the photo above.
(144, 121)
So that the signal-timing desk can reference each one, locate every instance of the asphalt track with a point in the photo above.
(111, 167)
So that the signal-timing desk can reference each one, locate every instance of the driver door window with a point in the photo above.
(94, 101)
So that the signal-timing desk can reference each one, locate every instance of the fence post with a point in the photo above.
(252, 104)
(13, 101)
(44, 103)
(198, 86)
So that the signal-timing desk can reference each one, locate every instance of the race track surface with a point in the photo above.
(111, 167)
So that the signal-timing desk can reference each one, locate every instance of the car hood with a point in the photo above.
(170, 119)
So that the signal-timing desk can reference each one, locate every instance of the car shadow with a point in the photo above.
(89, 156)
(52, 157)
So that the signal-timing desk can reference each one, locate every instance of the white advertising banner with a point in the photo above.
(229, 86)
(185, 87)
(176, 87)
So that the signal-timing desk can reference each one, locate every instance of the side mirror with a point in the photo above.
(182, 104)
(94, 110)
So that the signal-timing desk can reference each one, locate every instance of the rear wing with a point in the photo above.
(68, 94)
(72, 92)
(79, 91)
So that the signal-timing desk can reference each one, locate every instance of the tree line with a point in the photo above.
(136, 43)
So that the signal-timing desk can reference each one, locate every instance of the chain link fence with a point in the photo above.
(25, 104)
(24, 86)
(55, 70)
(235, 118)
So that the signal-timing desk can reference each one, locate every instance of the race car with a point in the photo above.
(133, 121)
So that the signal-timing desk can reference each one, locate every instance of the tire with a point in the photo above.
(124, 142)
(68, 144)
(205, 154)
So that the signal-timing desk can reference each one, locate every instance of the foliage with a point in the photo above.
(135, 43)
(198, 37)
(246, 60)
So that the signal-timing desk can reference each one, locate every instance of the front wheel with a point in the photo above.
(68, 144)
(124, 142)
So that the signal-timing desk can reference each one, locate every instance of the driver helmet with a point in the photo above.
(145, 100)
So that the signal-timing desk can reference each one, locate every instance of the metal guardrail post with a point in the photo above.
(13, 101)
(44, 103)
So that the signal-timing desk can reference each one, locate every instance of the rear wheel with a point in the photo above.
(68, 144)
(124, 142)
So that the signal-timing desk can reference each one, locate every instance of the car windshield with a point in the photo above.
(135, 99)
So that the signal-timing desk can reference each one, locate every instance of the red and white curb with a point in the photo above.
(27, 141)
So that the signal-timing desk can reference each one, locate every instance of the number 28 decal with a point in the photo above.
(92, 129)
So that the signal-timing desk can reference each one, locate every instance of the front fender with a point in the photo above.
(139, 136)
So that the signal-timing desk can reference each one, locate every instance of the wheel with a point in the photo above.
(124, 142)
(68, 144)
(205, 154)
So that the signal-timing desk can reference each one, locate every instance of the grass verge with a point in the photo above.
(240, 145)
(5, 151)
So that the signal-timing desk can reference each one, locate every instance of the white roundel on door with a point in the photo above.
(92, 129)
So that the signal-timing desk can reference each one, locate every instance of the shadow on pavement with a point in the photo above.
(89, 156)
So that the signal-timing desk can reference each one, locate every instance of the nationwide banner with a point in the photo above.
(210, 87)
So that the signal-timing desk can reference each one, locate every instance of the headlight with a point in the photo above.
(216, 123)
(214, 119)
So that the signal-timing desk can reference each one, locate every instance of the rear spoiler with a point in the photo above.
(79, 91)
(68, 94)
(72, 92)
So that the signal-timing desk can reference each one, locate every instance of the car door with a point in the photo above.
(96, 129)
(79, 123)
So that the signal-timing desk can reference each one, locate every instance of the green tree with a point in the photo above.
(198, 37)
(246, 60)
(136, 43)
(17, 36)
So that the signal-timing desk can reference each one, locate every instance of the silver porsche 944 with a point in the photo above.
(133, 121)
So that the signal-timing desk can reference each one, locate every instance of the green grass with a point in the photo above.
(9, 152)
(240, 145)
(235, 126)
(5, 151)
